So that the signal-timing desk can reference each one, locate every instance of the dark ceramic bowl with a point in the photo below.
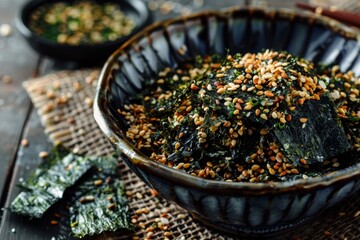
(134, 9)
(250, 208)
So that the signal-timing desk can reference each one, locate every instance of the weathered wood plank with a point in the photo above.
(18, 61)
(18, 227)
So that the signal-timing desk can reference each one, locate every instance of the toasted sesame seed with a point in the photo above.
(160, 81)
(54, 222)
(142, 225)
(194, 87)
(264, 131)
(303, 161)
(139, 195)
(202, 140)
(267, 75)
(212, 174)
(322, 84)
(227, 124)
(356, 214)
(271, 171)
(263, 116)
(24, 142)
(253, 179)
(274, 115)
(250, 89)
(269, 94)
(284, 75)
(303, 120)
(86, 199)
(181, 216)
(347, 85)
(43, 154)
(336, 164)
(255, 167)
(199, 122)
(221, 90)
(88, 101)
(248, 106)
(302, 94)
(7, 79)
(185, 78)
(50, 94)
(227, 104)
(98, 182)
(201, 173)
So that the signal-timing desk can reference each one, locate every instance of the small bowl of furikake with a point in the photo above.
(80, 30)
(248, 118)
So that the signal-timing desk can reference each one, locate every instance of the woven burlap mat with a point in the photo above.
(64, 103)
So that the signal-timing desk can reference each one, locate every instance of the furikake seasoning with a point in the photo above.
(259, 117)
(80, 22)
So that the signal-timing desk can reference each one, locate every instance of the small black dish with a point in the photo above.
(89, 53)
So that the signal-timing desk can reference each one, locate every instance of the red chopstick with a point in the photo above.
(342, 16)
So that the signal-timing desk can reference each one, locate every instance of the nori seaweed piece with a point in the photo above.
(33, 203)
(48, 183)
(90, 185)
(100, 207)
(320, 138)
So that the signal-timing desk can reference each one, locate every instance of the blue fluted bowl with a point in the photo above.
(250, 208)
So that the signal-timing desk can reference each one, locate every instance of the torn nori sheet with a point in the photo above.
(48, 184)
(33, 203)
(99, 202)
(320, 138)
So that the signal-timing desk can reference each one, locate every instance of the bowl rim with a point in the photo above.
(127, 149)
(21, 22)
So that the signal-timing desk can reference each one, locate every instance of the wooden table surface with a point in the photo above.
(19, 120)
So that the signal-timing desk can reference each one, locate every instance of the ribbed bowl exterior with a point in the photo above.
(245, 212)
(233, 207)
